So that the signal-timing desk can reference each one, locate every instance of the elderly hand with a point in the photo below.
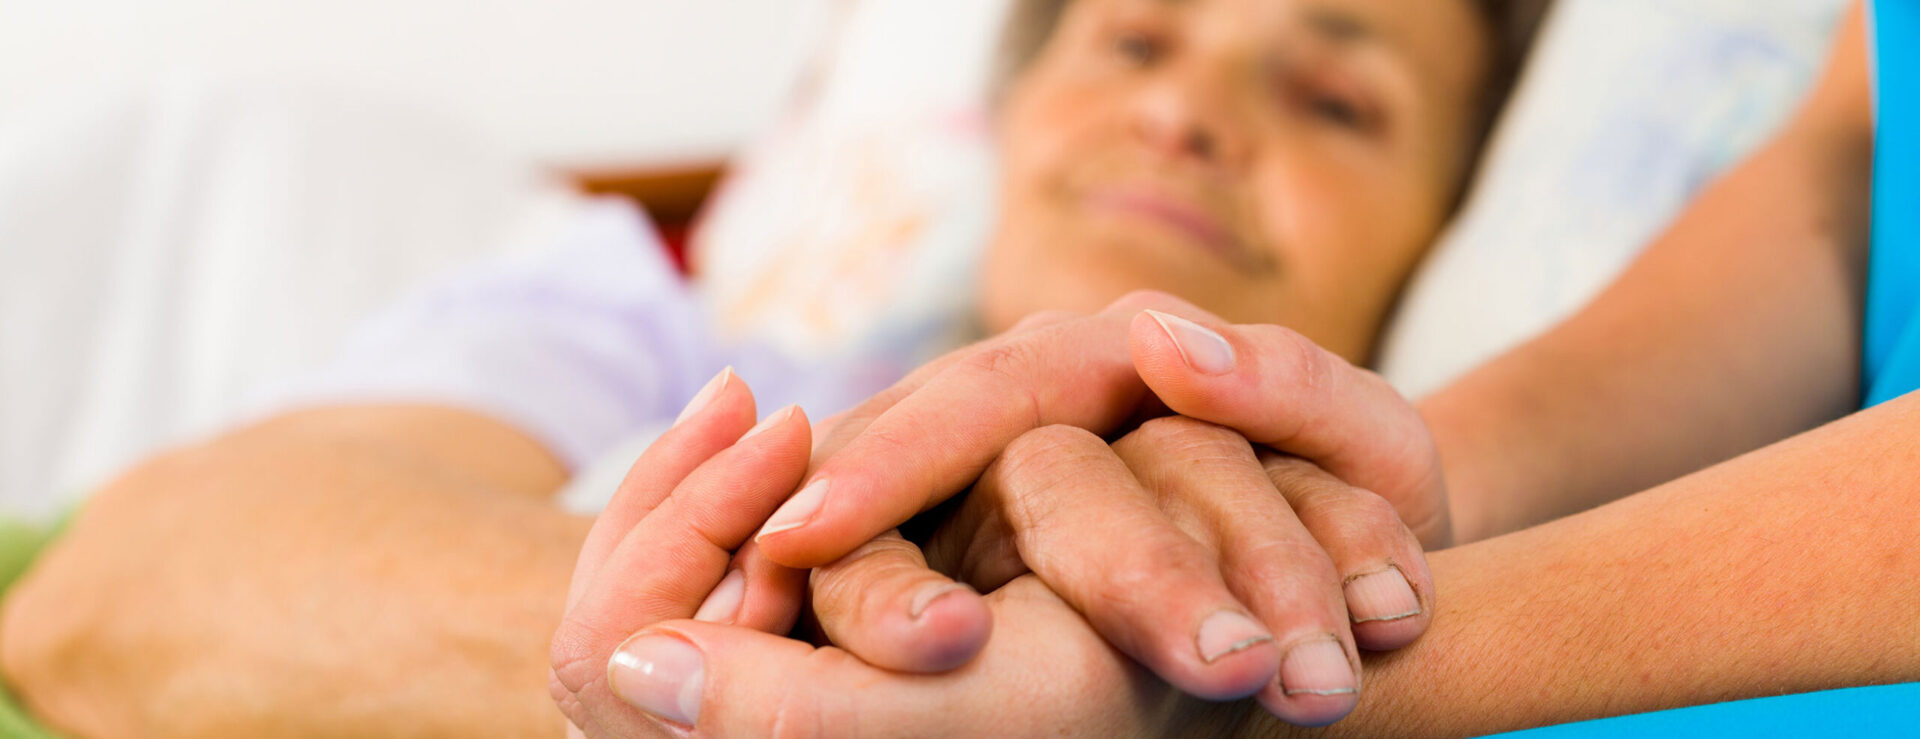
(1217, 568)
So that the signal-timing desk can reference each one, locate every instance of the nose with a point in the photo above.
(1186, 115)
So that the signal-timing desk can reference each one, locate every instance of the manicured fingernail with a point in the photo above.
(778, 417)
(1381, 596)
(1205, 351)
(724, 601)
(661, 675)
(931, 593)
(1227, 632)
(706, 395)
(1317, 668)
(798, 509)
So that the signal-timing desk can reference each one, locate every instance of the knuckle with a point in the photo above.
(1045, 454)
(567, 699)
(1033, 468)
(1306, 487)
(1011, 367)
(1009, 359)
(1186, 436)
(575, 655)
(1358, 520)
(849, 585)
(1271, 563)
(1150, 573)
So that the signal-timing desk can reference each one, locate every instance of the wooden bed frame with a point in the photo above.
(672, 194)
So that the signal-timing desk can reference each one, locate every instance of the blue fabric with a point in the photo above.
(1886, 711)
(1890, 366)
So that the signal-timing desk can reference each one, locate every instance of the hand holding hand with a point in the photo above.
(661, 636)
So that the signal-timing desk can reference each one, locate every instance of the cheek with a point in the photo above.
(1049, 128)
(1338, 224)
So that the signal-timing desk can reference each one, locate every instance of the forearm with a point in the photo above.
(1787, 570)
(292, 580)
(1736, 329)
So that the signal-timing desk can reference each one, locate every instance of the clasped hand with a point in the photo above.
(1226, 546)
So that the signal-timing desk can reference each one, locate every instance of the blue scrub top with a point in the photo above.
(1890, 363)
(1890, 368)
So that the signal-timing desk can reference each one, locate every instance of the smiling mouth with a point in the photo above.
(1176, 215)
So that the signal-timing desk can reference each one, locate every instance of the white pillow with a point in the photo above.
(853, 229)
(1629, 107)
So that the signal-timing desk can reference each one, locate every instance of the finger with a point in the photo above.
(974, 545)
(845, 426)
(712, 421)
(1279, 389)
(1209, 477)
(725, 681)
(1386, 584)
(936, 440)
(885, 606)
(1087, 528)
(756, 593)
(669, 563)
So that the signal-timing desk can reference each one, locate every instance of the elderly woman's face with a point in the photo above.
(1274, 161)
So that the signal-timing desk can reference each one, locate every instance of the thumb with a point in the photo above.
(1279, 389)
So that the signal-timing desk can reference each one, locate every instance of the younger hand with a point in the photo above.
(673, 544)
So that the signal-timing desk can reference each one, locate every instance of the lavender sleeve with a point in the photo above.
(578, 344)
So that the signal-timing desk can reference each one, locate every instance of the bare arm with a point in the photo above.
(1782, 571)
(1738, 328)
(298, 578)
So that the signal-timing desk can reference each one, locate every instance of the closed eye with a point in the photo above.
(1337, 111)
(1138, 49)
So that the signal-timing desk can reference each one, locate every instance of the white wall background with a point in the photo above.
(569, 82)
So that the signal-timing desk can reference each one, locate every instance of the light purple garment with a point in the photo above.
(582, 345)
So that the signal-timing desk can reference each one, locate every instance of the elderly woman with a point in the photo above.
(392, 562)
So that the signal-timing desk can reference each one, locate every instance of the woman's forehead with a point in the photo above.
(1444, 40)
(1433, 50)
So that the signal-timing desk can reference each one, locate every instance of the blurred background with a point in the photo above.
(573, 83)
(199, 198)
(202, 198)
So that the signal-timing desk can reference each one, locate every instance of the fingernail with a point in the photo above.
(1205, 351)
(778, 417)
(1227, 632)
(706, 395)
(661, 675)
(931, 593)
(1317, 668)
(798, 509)
(724, 601)
(1381, 596)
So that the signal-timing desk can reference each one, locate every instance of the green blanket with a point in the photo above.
(19, 544)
